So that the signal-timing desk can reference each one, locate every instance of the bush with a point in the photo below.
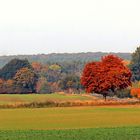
(124, 93)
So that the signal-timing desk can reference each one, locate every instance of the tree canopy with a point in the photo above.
(70, 83)
(26, 80)
(135, 65)
(107, 75)
(10, 69)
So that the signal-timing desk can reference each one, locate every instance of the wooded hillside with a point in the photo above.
(62, 57)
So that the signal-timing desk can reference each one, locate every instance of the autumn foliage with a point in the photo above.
(36, 66)
(109, 74)
(26, 79)
(135, 92)
(19, 76)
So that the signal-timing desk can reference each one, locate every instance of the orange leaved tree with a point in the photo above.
(25, 80)
(106, 76)
(135, 92)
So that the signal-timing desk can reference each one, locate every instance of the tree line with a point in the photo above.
(109, 75)
(62, 58)
(20, 76)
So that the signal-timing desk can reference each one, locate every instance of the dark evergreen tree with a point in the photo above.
(135, 65)
(10, 69)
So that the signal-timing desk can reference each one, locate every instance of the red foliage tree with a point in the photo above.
(109, 74)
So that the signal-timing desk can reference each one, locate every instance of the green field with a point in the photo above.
(67, 123)
(122, 133)
(77, 123)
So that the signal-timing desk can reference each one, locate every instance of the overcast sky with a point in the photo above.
(46, 26)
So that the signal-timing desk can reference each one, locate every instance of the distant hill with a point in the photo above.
(62, 57)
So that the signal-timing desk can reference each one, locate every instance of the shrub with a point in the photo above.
(124, 93)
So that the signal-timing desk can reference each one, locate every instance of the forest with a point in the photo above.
(67, 73)
(62, 57)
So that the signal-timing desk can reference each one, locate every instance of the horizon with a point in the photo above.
(67, 53)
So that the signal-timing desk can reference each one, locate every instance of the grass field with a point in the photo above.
(69, 118)
(68, 123)
(72, 123)
(120, 133)
(27, 98)
(59, 100)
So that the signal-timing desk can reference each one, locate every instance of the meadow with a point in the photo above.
(69, 118)
(119, 133)
(59, 100)
(77, 123)
(27, 98)
(104, 122)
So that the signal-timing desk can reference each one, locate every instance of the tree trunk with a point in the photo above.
(104, 96)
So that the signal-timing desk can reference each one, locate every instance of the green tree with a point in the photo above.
(54, 73)
(55, 67)
(70, 83)
(135, 65)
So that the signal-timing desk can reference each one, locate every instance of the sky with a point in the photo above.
(58, 26)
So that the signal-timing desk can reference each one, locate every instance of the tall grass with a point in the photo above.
(68, 103)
